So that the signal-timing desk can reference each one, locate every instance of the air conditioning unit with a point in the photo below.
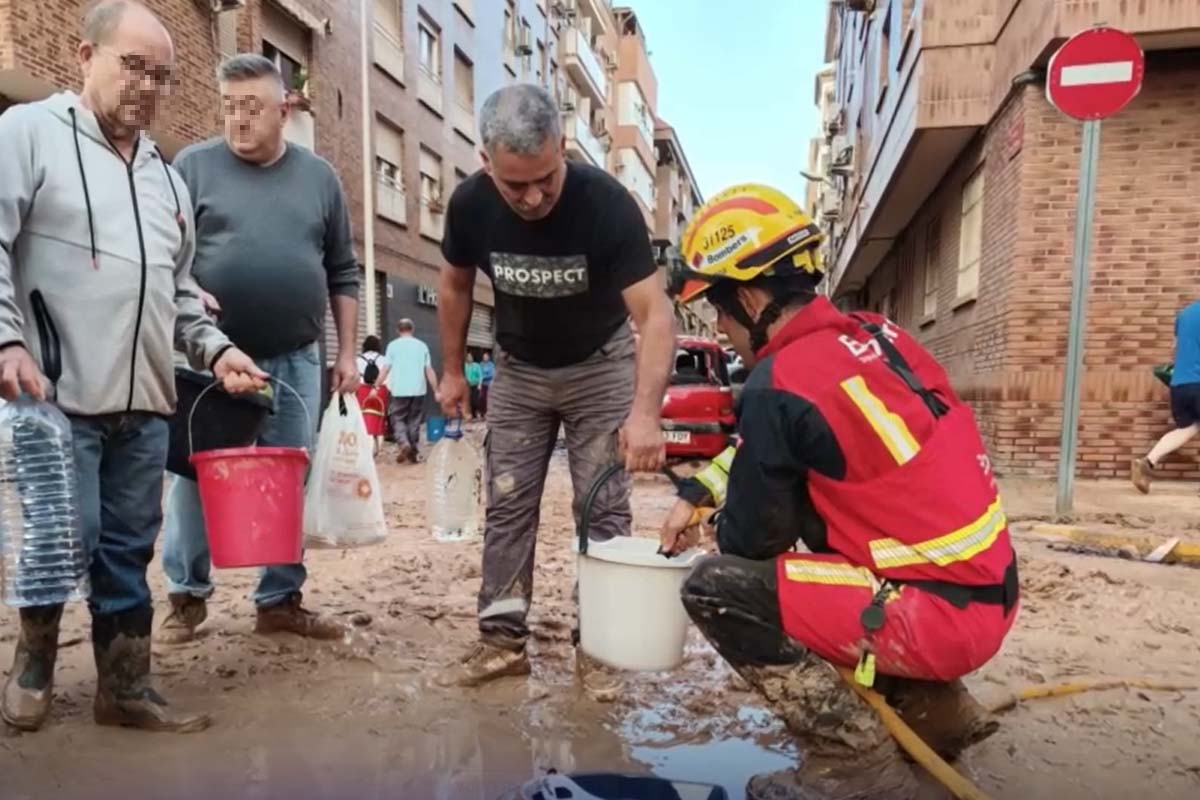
(565, 8)
(834, 121)
(843, 151)
(524, 45)
(600, 126)
(842, 170)
(570, 99)
(219, 6)
(831, 207)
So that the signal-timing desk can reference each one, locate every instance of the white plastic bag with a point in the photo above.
(343, 506)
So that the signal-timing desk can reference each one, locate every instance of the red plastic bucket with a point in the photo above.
(253, 503)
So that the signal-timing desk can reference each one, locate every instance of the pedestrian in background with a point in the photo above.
(372, 392)
(1185, 398)
(474, 375)
(273, 249)
(97, 226)
(568, 254)
(489, 374)
(409, 370)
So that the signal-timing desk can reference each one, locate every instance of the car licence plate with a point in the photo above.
(677, 437)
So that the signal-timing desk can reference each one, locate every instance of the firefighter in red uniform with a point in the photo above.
(853, 445)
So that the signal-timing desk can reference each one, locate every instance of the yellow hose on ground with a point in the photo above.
(945, 774)
(1062, 689)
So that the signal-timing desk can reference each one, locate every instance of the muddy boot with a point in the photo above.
(601, 682)
(1141, 472)
(483, 663)
(848, 753)
(944, 715)
(124, 696)
(30, 682)
(187, 613)
(291, 617)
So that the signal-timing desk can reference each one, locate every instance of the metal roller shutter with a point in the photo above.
(481, 331)
(331, 341)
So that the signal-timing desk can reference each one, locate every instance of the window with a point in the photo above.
(933, 247)
(431, 50)
(431, 178)
(291, 69)
(885, 57)
(541, 59)
(970, 246)
(388, 19)
(389, 155)
(510, 31)
(525, 46)
(464, 81)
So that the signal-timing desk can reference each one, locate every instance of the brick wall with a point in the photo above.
(1005, 351)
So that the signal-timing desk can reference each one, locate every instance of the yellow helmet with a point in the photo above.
(746, 231)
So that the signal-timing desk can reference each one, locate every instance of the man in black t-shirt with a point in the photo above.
(568, 253)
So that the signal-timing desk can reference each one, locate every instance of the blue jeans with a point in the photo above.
(119, 461)
(186, 558)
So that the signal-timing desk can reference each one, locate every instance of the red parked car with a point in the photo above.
(697, 412)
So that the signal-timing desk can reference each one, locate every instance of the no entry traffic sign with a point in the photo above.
(1095, 74)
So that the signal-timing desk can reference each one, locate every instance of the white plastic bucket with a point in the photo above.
(630, 614)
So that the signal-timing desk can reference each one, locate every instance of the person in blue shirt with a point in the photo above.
(489, 374)
(406, 374)
(1185, 398)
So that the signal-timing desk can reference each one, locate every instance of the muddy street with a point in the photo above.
(362, 718)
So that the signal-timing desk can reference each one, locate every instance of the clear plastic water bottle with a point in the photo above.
(42, 555)
(454, 481)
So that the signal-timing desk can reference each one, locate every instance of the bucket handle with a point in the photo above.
(585, 513)
(206, 389)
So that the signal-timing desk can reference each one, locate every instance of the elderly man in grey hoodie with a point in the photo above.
(96, 236)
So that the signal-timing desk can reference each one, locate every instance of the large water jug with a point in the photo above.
(454, 480)
(42, 555)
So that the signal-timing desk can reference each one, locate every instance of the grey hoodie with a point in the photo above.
(109, 248)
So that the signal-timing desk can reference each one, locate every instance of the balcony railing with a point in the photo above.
(390, 201)
(585, 67)
(429, 90)
(581, 139)
(389, 53)
(301, 129)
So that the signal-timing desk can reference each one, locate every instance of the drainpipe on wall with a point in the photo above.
(368, 157)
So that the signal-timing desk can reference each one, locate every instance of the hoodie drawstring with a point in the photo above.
(87, 198)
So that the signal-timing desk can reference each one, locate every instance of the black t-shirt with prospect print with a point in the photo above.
(558, 280)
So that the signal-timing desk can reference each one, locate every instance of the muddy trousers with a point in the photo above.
(405, 414)
(527, 404)
(847, 751)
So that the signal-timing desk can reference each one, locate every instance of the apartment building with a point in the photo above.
(430, 64)
(677, 197)
(957, 184)
(821, 192)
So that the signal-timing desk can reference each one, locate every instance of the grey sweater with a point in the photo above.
(109, 249)
(272, 243)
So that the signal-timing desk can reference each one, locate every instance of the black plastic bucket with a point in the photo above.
(221, 420)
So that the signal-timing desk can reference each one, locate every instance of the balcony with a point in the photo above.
(463, 120)
(390, 201)
(429, 91)
(584, 67)
(432, 220)
(301, 129)
(389, 53)
(582, 142)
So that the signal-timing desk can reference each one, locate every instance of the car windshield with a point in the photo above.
(698, 365)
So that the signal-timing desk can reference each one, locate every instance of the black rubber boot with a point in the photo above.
(124, 696)
(944, 715)
(30, 684)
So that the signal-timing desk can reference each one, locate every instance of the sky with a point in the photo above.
(735, 80)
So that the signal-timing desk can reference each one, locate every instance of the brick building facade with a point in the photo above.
(431, 65)
(958, 207)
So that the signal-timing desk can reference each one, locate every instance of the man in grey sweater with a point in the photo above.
(273, 248)
(96, 239)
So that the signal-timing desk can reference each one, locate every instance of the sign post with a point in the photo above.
(1094, 75)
